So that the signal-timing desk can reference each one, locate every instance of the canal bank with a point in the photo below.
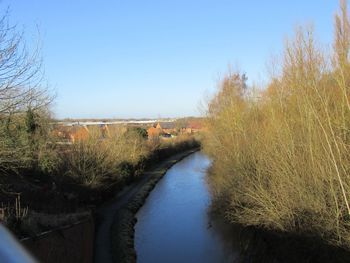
(115, 219)
(178, 223)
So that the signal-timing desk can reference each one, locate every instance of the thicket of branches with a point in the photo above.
(282, 156)
(93, 161)
(24, 102)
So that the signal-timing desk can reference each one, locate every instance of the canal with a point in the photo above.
(174, 224)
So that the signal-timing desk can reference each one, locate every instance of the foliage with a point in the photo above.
(23, 101)
(142, 132)
(95, 160)
(281, 156)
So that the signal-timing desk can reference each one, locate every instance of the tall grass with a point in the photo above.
(282, 156)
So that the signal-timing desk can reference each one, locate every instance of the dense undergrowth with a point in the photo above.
(78, 177)
(281, 155)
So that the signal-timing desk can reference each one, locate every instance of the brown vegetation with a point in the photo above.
(83, 174)
(281, 156)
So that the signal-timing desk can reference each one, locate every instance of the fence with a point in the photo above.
(71, 244)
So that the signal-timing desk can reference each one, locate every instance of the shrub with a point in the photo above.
(281, 156)
(94, 160)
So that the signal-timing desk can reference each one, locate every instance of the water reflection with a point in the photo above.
(174, 226)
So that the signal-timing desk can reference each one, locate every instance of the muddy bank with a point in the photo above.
(116, 219)
(263, 246)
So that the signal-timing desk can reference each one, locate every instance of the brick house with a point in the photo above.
(161, 129)
(153, 132)
(167, 127)
(71, 133)
(79, 133)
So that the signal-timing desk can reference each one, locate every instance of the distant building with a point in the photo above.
(71, 133)
(79, 133)
(167, 127)
(195, 125)
(153, 132)
(186, 130)
(161, 129)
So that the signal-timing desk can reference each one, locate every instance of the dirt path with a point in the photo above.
(105, 214)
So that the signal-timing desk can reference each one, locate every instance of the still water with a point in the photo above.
(174, 225)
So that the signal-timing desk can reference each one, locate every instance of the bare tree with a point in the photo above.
(21, 89)
(20, 73)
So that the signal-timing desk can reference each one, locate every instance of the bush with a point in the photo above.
(281, 156)
(92, 161)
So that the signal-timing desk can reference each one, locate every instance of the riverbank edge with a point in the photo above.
(123, 231)
(263, 246)
(260, 245)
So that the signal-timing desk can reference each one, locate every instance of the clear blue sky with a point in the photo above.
(157, 58)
